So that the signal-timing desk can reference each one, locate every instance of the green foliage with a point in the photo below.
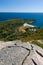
(37, 43)
(9, 30)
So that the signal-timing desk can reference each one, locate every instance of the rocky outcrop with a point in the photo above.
(20, 53)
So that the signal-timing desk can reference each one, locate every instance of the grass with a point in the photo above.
(37, 43)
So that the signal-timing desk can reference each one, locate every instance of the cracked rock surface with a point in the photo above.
(20, 53)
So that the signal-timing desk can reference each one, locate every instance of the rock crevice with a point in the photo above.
(21, 54)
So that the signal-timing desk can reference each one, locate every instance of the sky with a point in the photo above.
(21, 5)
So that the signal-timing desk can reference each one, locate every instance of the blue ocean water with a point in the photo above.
(37, 16)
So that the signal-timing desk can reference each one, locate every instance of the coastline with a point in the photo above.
(36, 16)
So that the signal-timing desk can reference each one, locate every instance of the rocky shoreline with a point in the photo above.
(20, 53)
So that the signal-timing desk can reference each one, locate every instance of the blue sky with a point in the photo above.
(21, 5)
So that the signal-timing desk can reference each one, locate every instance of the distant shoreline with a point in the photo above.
(11, 15)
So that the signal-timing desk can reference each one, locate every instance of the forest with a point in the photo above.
(9, 30)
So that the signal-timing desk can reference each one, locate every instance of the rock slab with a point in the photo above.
(20, 53)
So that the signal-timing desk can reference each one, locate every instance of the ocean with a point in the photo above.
(10, 15)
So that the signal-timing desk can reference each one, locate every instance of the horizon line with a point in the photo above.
(19, 12)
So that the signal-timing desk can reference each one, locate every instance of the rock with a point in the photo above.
(24, 44)
(21, 53)
(13, 55)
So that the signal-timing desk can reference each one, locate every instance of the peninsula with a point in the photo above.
(19, 29)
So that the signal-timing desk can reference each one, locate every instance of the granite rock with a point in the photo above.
(21, 53)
